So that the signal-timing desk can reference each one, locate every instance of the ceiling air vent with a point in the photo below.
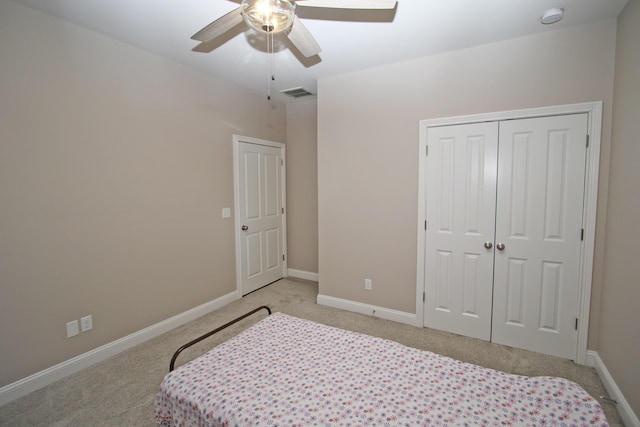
(296, 92)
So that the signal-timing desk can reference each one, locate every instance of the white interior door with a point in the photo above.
(259, 214)
(460, 213)
(541, 175)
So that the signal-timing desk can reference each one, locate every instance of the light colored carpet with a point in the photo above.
(120, 391)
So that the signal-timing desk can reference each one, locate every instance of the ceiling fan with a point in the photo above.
(278, 16)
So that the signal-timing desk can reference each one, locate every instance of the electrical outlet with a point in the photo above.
(72, 329)
(367, 284)
(86, 323)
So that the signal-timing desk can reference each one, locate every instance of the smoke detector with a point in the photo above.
(551, 16)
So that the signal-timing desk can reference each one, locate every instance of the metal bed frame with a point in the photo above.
(215, 331)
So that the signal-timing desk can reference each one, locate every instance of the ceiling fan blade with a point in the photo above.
(302, 39)
(219, 26)
(349, 4)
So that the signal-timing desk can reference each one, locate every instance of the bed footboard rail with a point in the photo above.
(215, 331)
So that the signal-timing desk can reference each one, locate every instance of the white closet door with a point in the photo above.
(460, 212)
(541, 170)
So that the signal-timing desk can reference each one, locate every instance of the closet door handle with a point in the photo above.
(244, 228)
(488, 245)
(500, 246)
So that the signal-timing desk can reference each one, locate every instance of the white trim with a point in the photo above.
(372, 310)
(237, 139)
(422, 219)
(594, 114)
(48, 376)
(629, 418)
(592, 176)
(305, 275)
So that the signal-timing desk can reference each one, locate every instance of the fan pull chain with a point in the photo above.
(273, 61)
(270, 75)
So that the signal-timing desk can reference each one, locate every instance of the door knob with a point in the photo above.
(500, 246)
(244, 228)
(488, 245)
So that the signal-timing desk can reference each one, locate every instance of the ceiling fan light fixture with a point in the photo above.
(268, 16)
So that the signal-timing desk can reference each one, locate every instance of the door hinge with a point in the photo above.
(582, 234)
(281, 162)
(425, 224)
(576, 323)
(587, 141)
(282, 210)
(283, 257)
(427, 150)
(424, 296)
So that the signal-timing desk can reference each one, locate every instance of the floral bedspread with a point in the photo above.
(286, 371)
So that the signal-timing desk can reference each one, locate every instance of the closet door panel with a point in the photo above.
(460, 211)
(518, 197)
(541, 169)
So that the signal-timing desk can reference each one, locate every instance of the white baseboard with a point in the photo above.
(372, 310)
(629, 418)
(306, 275)
(43, 378)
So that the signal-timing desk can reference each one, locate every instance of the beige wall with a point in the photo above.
(114, 167)
(302, 186)
(619, 335)
(368, 145)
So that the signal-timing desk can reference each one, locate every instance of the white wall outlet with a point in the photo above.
(86, 323)
(72, 329)
(226, 212)
(367, 284)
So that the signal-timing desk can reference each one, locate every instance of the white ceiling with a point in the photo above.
(350, 40)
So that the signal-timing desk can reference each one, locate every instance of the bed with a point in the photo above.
(287, 371)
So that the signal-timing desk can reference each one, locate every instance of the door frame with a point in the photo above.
(237, 139)
(594, 128)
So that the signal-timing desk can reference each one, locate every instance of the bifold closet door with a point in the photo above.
(460, 212)
(541, 172)
(504, 207)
